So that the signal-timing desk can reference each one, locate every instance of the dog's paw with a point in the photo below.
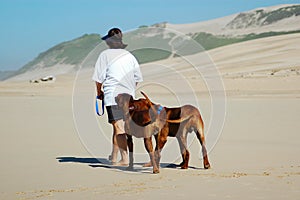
(181, 164)
(184, 167)
(207, 166)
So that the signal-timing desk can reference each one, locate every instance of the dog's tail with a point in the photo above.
(179, 120)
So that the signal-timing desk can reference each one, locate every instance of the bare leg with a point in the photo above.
(122, 143)
(119, 143)
(115, 148)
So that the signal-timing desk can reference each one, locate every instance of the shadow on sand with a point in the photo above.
(105, 163)
(96, 163)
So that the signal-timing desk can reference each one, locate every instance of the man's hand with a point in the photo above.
(101, 95)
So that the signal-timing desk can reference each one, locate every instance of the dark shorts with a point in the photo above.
(114, 113)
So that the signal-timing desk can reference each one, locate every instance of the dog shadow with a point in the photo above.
(105, 163)
(177, 166)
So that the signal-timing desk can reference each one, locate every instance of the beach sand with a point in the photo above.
(46, 155)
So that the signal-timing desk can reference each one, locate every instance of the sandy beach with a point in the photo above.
(45, 155)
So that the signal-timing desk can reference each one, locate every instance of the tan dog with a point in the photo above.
(178, 122)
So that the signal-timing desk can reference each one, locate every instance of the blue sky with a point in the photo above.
(29, 27)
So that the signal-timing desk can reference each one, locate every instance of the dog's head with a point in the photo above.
(134, 110)
(123, 101)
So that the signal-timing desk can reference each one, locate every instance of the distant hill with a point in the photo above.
(280, 18)
(70, 54)
(6, 74)
(263, 17)
(160, 41)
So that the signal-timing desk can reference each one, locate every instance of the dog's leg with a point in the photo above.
(149, 148)
(184, 152)
(180, 146)
(160, 143)
(130, 148)
(181, 137)
(201, 138)
(149, 164)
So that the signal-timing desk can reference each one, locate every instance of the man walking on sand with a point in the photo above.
(116, 71)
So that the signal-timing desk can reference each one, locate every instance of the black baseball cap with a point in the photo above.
(116, 32)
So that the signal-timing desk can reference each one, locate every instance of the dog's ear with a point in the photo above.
(147, 98)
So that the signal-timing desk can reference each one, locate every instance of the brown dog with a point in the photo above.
(147, 118)
(138, 123)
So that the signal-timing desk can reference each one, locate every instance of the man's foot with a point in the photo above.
(120, 163)
(113, 161)
(149, 164)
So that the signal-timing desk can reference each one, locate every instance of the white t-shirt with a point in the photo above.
(118, 71)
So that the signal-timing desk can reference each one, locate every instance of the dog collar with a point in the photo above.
(159, 109)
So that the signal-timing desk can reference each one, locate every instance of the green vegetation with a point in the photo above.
(148, 44)
(261, 17)
(74, 52)
(209, 41)
(149, 55)
(143, 26)
(71, 52)
(281, 13)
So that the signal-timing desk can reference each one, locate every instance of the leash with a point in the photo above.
(97, 107)
(159, 109)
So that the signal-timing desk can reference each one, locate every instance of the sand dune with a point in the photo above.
(219, 26)
(46, 155)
